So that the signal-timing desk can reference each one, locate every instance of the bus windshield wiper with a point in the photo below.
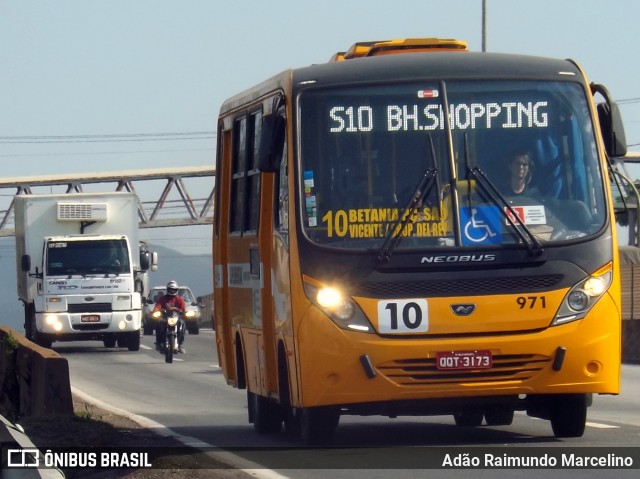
(428, 180)
(533, 244)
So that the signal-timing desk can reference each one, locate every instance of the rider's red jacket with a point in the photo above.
(167, 300)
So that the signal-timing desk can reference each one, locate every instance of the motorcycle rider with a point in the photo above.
(170, 302)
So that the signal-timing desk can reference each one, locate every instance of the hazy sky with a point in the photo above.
(103, 85)
(78, 69)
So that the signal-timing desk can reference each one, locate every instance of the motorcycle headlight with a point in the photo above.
(581, 298)
(342, 310)
(156, 314)
(172, 320)
(190, 314)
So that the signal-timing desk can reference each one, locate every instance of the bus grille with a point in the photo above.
(90, 308)
(420, 372)
(461, 287)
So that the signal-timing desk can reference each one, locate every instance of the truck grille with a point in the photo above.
(90, 308)
(421, 372)
(90, 327)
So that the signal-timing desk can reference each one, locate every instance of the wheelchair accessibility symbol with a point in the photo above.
(480, 225)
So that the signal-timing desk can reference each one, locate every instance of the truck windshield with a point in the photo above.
(363, 151)
(87, 257)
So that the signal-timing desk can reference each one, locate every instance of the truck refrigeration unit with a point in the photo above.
(80, 267)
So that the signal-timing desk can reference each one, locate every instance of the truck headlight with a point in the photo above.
(342, 310)
(581, 298)
(53, 321)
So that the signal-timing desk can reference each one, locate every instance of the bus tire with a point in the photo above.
(499, 416)
(290, 415)
(468, 418)
(265, 415)
(317, 424)
(568, 415)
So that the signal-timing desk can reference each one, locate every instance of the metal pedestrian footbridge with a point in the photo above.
(181, 196)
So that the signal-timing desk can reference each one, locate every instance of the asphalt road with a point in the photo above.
(191, 398)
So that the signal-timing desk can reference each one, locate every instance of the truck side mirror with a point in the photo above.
(145, 260)
(26, 263)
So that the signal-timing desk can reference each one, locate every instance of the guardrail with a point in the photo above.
(34, 381)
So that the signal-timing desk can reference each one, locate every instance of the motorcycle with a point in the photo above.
(172, 322)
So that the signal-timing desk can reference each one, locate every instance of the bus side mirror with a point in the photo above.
(615, 141)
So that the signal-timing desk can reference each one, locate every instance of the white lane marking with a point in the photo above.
(601, 426)
(254, 469)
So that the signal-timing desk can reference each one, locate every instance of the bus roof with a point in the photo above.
(417, 66)
(435, 66)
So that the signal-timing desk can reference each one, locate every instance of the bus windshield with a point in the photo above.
(502, 156)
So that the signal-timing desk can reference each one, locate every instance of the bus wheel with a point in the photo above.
(265, 415)
(317, 424)
(568, 415)
(498, 416)
(109, 341)
(468, 418)
(292, 421)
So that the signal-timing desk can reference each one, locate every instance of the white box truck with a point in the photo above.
(80, 267)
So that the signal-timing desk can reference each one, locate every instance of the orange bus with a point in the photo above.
(416, 229)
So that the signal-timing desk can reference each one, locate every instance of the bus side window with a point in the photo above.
(282, 190)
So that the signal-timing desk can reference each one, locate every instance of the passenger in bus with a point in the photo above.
(520, 169)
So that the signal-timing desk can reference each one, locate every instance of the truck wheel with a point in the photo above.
(568, 415)
(109, 341)
(133, 341)
(31, 331)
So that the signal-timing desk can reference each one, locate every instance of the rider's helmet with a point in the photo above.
(172, 288)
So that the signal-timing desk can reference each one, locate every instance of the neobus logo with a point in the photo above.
(459, 258)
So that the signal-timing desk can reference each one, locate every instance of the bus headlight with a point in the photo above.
(578, 300)
(581, 298)
(342, 310)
